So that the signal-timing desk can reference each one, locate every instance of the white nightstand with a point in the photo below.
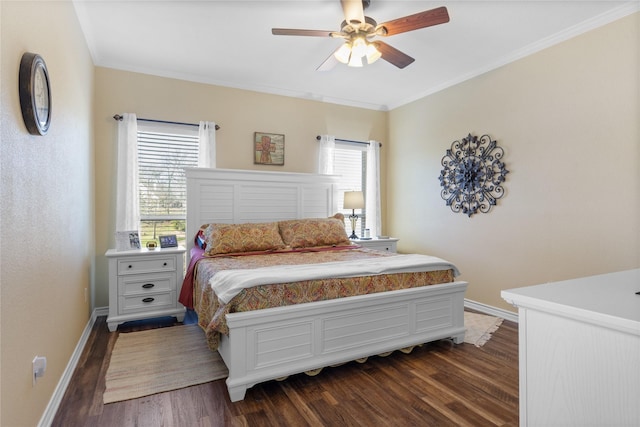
(144, 284)
(389, 244)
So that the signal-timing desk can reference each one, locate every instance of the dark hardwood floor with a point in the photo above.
(438, 384)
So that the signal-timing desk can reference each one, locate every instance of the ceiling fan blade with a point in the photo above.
(353, 11)
(393, 55)
(413, 22)
(329, 63)
(295, 32)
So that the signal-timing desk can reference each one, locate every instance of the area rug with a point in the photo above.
(480, 327)
(157, 360)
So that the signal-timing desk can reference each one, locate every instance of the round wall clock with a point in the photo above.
(35, 94)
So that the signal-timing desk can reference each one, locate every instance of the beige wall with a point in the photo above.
(238, 112)
(46, 211)
(568, 118)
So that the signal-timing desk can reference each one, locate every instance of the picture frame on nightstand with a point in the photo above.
(168, 241)
(127, 240)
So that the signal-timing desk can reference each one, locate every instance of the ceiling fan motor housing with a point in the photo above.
(369, 27)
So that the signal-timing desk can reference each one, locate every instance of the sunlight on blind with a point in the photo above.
(162, 183)
(351, 163)
(163, 153)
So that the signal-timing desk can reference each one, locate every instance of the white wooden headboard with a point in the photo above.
(234, 196)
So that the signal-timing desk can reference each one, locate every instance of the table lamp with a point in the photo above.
(353, 200)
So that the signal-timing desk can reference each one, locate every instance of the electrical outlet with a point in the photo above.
(39, 365)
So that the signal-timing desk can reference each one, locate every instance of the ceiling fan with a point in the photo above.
(360, 32)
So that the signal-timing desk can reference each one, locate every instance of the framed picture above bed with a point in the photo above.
(268, 148)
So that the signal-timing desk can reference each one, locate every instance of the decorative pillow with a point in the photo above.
(304, 233)
(230, 238)
(200, 240)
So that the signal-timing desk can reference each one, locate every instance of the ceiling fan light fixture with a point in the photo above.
(359, 47)
(373, 54)
(355, 61)
(343, 53)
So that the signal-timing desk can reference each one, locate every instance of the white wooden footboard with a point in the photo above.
(267, 344)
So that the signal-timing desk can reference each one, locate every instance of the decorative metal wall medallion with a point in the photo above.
(472, 175)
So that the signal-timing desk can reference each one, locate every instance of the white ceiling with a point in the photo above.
(229, 43)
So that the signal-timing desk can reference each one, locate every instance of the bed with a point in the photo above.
(377, 302)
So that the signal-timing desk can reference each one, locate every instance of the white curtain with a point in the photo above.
(127, 206)
(207, 145)
(326, 156)
(372, 198)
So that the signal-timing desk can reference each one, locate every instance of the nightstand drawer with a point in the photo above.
(141, 303)
(381, 247)
(146, 265)
(147, 283)
(389, 244)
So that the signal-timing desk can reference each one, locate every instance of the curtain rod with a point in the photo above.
(118, 117)
(318, 137)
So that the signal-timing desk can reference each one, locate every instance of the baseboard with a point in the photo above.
(100, 311)
(489, 309)
(54, 403)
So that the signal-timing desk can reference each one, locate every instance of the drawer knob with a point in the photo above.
(149, 299)
(148, 285)
(130, 266)
(165, 264)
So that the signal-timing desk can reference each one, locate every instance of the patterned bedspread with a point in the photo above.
(212, 313)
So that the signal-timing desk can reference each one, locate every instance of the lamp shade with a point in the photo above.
(355, 61)
(342, 54)
(359, 47)
(353, 200)
(373, 54)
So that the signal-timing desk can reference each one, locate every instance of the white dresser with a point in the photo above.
(388, 244)
(580, 351)
(144, 284)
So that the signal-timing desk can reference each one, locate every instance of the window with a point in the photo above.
(163, 152)
(351, 163)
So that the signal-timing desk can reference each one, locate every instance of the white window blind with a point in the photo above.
(164, 150)
(351, 164)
